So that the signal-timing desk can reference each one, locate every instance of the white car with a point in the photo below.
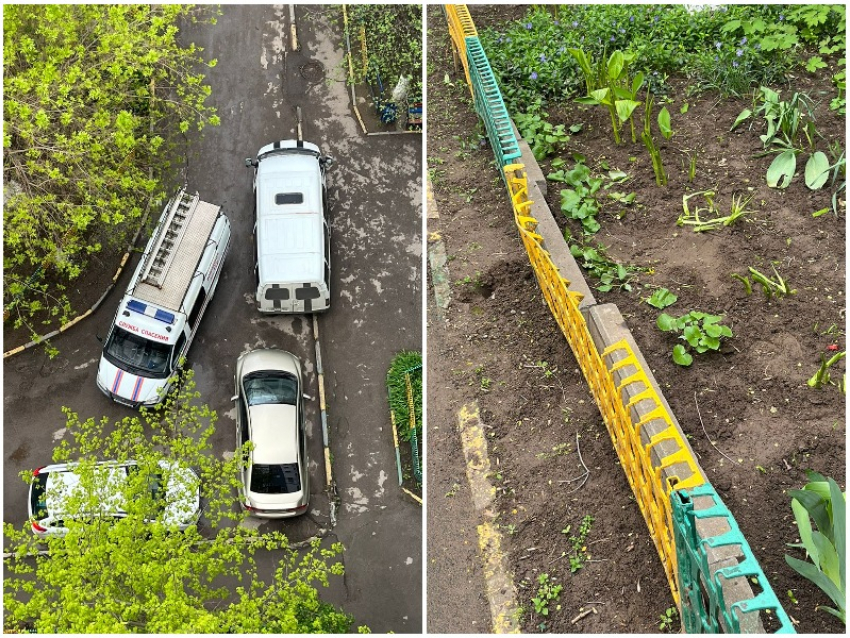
(56, 495)
(269, 415)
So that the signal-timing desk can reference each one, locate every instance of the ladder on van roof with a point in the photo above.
(168, 236)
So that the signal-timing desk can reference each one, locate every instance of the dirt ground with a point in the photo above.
(749, 402)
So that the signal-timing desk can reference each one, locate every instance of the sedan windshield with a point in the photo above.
(147, 358)
(275, 479)
(270, 387)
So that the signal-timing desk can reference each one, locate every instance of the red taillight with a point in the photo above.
(35, 472)
(38, 528)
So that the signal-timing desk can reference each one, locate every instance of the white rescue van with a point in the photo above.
(291, 228)
(164, 302)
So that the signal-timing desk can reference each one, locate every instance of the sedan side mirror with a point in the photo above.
(307, 397)
(99, 338)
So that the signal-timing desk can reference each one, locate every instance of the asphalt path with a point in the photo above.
(376, 307)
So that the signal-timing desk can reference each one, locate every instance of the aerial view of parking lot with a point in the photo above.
(212, 320)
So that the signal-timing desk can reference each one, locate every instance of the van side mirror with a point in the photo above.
(249, 162)
(99, 338)
(326, 162)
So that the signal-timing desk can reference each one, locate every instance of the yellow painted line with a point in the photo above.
(501, 593)
(500, 588)
(432, 204)
(412, 495)
(475, 452)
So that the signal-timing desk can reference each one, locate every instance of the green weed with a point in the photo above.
(702, 332)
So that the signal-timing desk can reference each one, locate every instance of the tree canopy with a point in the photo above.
(131, 575)
(93, 98)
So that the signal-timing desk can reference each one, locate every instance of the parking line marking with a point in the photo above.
(501, 593)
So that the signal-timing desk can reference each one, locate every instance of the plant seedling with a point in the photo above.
(821, 377)
(578, 202)
(611, 274)
(769, 286)
(821, 500)
(542, 136)
(661, 299)
(670, 615)
(578, 547)
(546, 592)
(646, 136)
(701, 331)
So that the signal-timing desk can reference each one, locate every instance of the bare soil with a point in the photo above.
(750, 402)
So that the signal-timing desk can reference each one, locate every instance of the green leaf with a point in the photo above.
(839, 507)
(665, 322)
(576, 128)
(712, 343)
(746, 113)
(625, 108)
(817, 171)
(616, 63)
(713, 330)
(820, 212)
(637, 82)
(662, 298)
(815, 62)
(664, 123)
(781, 170)
(812, 573)
(692, 335)
(684, 108)
(681, 356)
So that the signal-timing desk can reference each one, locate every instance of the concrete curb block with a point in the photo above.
(607, 327)
(437, 259)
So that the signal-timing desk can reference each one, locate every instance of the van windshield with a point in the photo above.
(136, 354)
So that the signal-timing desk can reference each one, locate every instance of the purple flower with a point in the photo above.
(734, 64)
(781, 17)
(534, 75)
(542, 57)
(556, 22)
(717, 45)
(739, 52)
(613, 38)
(622, 30)
(575, 24)
(528, 26)
(758, 46)
(716, 59)
(631, 18)
(743, 41)
(655, 19)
